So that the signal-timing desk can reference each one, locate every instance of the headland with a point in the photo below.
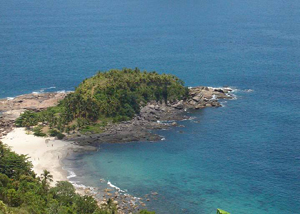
(48, 152)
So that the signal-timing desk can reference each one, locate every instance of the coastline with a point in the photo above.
(48, 153)
(154, 116)
(44, 153)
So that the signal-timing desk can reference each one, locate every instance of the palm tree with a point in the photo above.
(47, 178)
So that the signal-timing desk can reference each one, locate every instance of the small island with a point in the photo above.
(126, 103)
(112, 107)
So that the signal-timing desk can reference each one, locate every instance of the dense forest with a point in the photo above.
(23, 192)
(112, 96)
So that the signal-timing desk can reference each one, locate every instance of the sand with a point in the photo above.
(47, 153)
(44, 152)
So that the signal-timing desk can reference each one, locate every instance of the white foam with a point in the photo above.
(10, 98)
(43, 90)
(71, 174)
(51, 87)
(81, 186)
(78, 185)
(63, 91)
(163, 138)
(233, 96)
(222, 104)
(229, 89)
(115, 187)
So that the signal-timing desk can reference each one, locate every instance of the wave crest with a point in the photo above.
(115, 187)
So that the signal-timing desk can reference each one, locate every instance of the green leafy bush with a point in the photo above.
(115, 95)
(27, 119)
(60, 136)
(55, 133)
(37, 131)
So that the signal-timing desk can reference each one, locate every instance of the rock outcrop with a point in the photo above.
(201, 97)
(5, 126)
(35, 102)
(10, 109)
(155, 115)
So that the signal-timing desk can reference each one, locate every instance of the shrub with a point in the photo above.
(53, 132)
(3, 208)
(37, 131)
(27, 119)
(60, 136)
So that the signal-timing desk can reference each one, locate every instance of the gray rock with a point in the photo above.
(198, 97)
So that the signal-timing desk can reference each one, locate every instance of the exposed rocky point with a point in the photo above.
(34, 101)
(10, 109)
(155, 115)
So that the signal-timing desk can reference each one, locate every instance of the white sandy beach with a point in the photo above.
(44, 152)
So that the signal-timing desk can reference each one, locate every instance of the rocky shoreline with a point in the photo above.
(10, 109)
(125, 203)
(153, 116)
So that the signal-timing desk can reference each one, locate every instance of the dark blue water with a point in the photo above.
(243, 158)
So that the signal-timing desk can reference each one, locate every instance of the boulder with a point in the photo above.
(192, 102)
(201, 105)
(198, 97)
(178, 105)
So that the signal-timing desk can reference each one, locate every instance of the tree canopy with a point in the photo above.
(23, 192)
(115, 95)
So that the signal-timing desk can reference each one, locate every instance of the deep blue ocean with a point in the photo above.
(243, 158)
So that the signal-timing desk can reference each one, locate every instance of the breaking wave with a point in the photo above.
(115, 187)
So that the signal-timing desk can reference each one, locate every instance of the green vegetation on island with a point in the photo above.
(111, 96)
(23, 192)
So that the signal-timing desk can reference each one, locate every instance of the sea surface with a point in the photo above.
(243, 157)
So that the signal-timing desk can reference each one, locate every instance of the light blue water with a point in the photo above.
(243, 158)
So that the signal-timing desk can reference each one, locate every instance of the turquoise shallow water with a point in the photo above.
(243, 158)
(239, 159)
